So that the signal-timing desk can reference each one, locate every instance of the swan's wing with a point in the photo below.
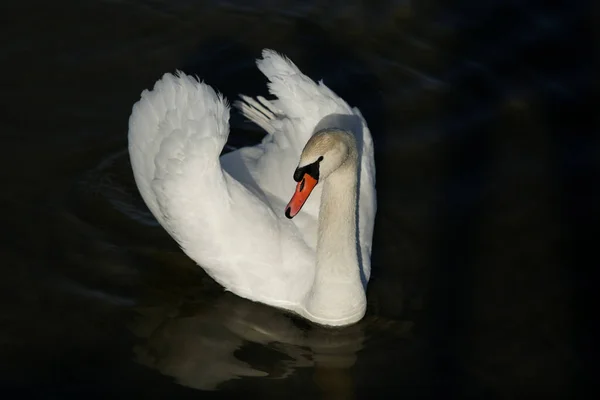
(299, 98)
(289, 120)
(176, 134)
(302, 105)
(178, 114)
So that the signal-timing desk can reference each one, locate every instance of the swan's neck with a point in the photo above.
(337, 258)
(337, 293)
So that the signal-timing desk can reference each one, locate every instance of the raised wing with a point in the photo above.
(176, 134)
(301, 107)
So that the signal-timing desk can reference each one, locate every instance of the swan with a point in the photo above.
(287, 222)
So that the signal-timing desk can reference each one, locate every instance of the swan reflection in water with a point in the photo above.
(202, 346)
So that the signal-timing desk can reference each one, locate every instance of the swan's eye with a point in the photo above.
(301, 185)
(320, 159)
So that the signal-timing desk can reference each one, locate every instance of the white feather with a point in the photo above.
(227, 212)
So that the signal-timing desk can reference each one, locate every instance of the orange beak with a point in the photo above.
(303, 189)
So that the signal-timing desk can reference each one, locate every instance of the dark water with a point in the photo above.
(487, 180)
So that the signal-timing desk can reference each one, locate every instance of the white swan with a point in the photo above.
(228, 213)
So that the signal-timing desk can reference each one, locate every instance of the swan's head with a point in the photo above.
(325, 152)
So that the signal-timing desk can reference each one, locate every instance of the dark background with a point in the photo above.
(484, 117)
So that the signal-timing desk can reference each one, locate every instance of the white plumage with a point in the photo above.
(227, 212)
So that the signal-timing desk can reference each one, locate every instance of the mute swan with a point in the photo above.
(228, 213)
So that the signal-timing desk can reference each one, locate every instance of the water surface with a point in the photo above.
(486, 182)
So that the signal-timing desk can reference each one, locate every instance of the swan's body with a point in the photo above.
(228, 213)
